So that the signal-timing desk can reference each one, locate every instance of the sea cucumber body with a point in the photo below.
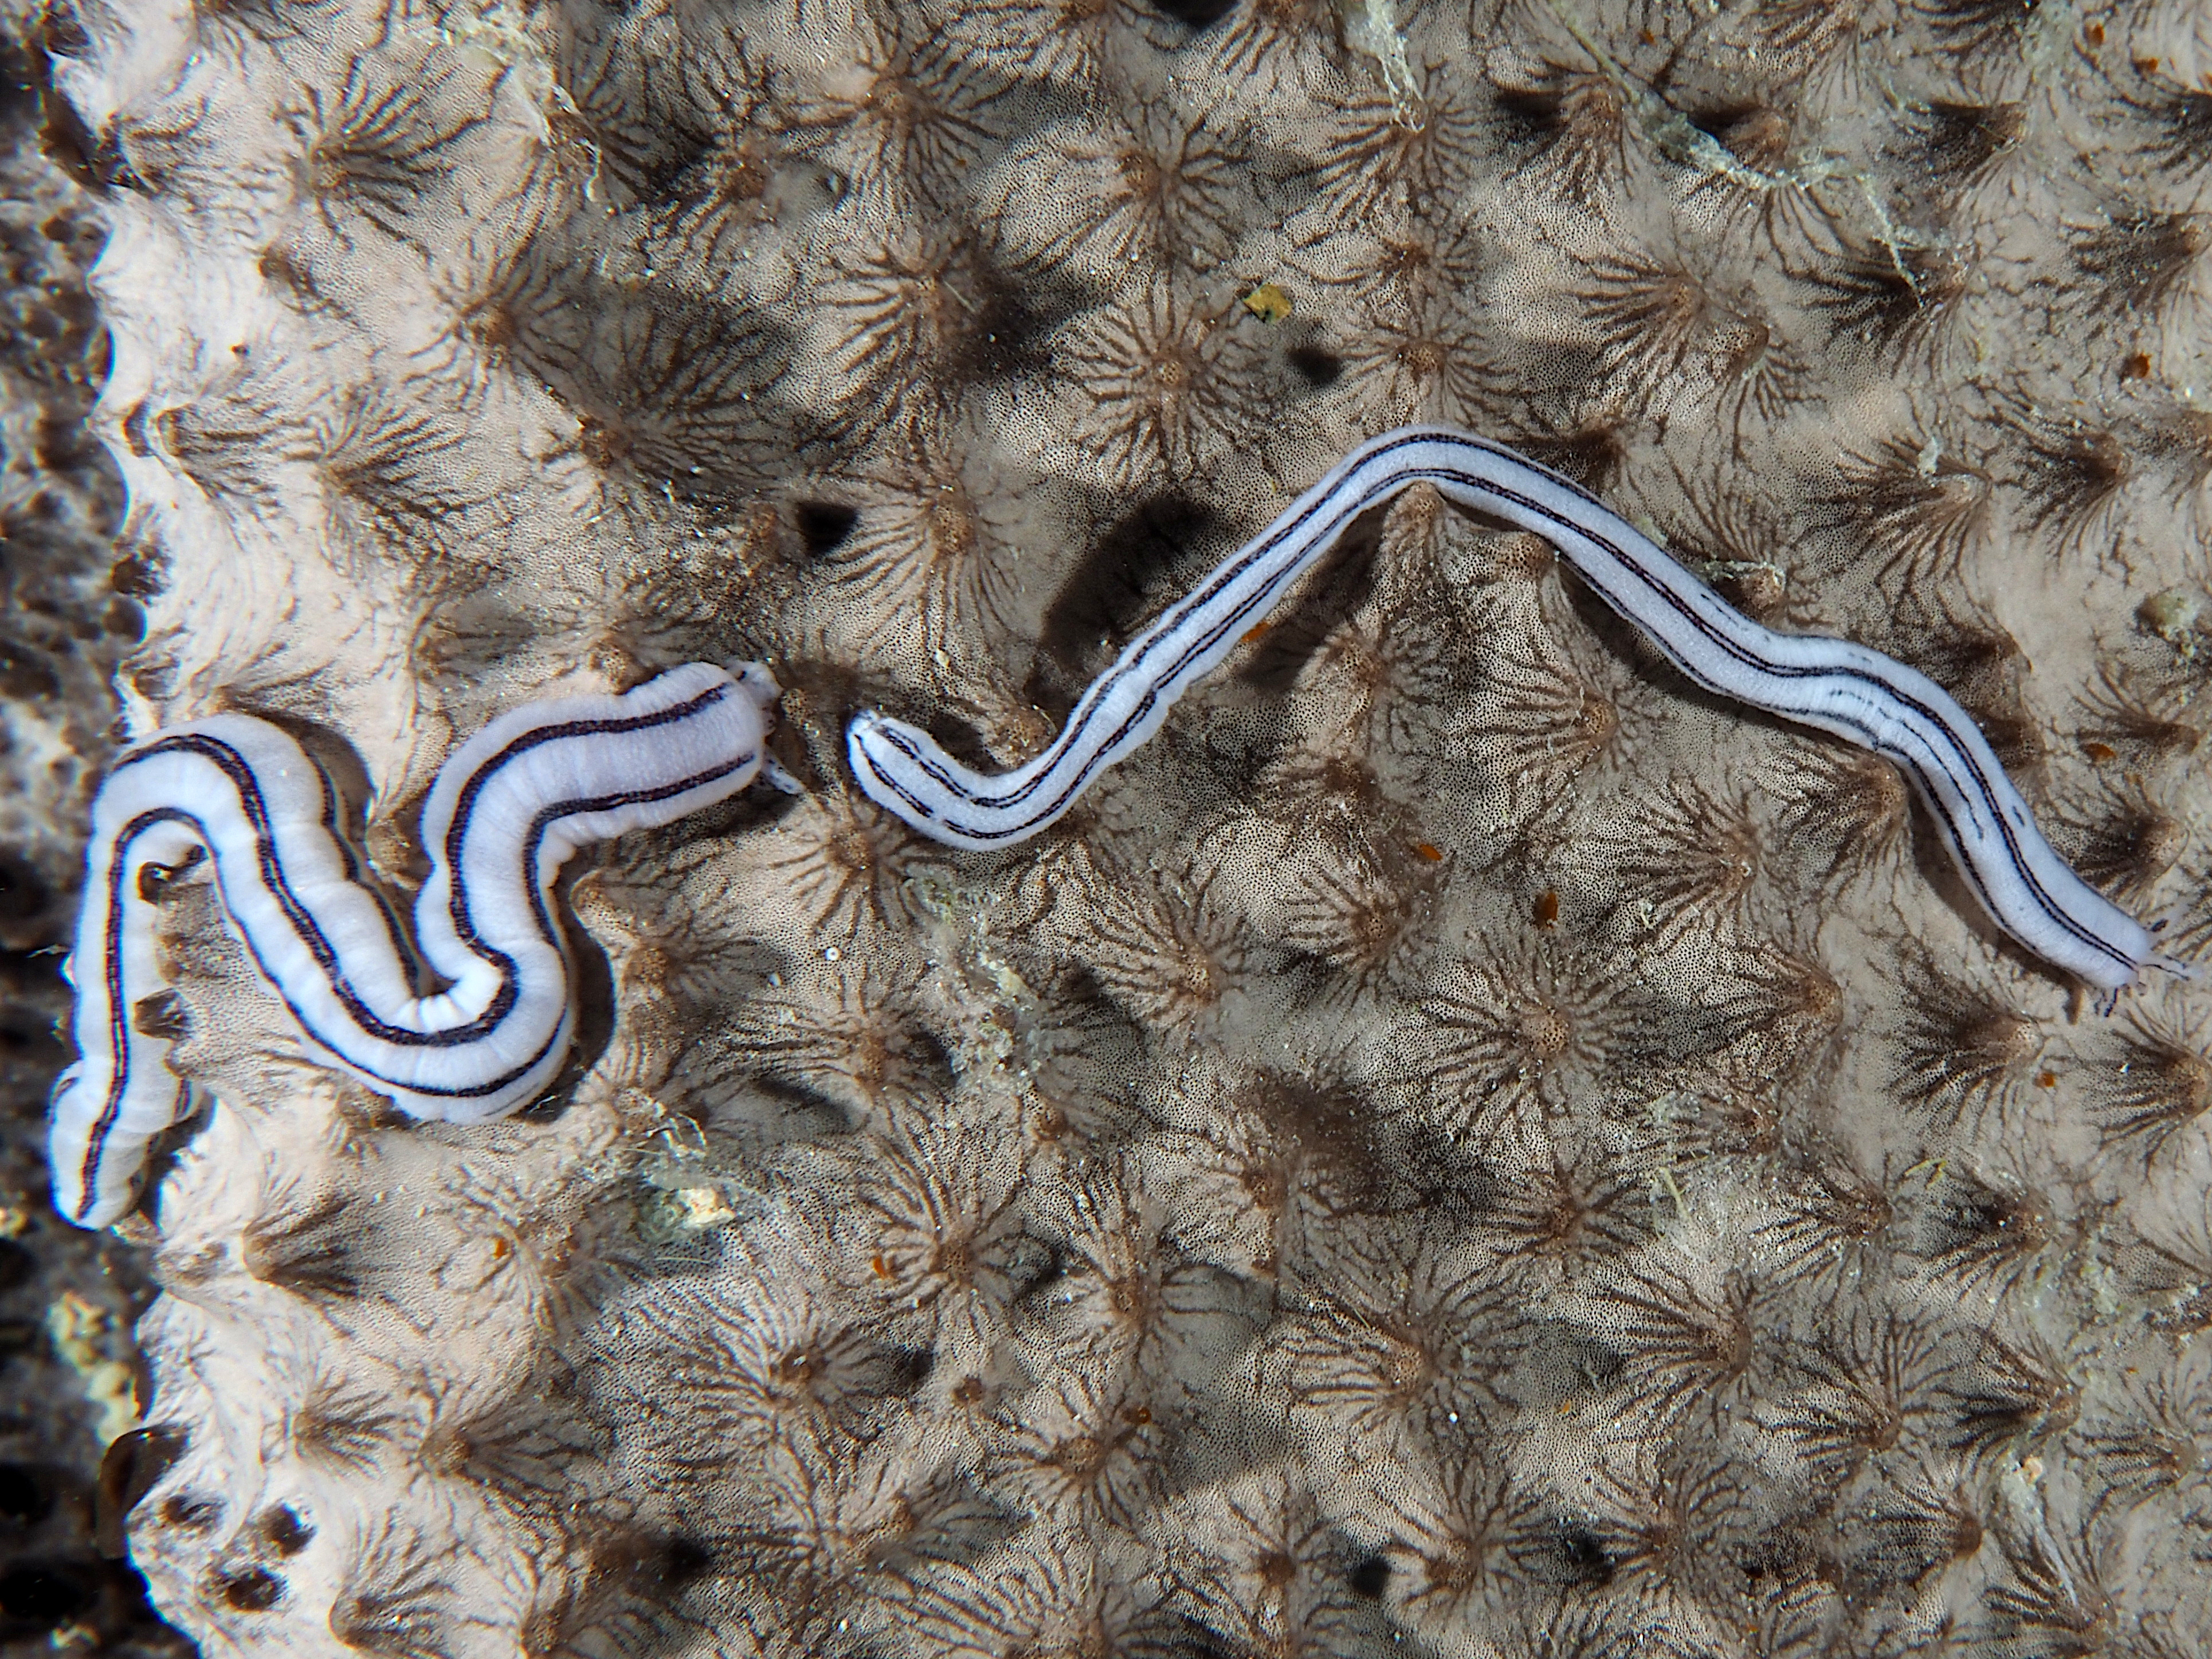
(1836, 686)
(506, 810)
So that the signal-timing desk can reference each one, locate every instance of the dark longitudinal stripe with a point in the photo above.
(1170, 652)
(269, 867)
(1962, 759)
(466, 799)
(241, 788)
(118, 1013)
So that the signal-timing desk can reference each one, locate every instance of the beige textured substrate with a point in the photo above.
(1464, 1143)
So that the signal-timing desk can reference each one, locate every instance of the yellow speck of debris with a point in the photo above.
(82, 1333)
(704, 1207)
(2174, 616)
(1269, 302)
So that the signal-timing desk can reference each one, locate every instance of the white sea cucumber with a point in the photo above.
(507, 809)
(1855, 693)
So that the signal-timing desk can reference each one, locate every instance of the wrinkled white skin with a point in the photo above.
(1834, 685)
(507, 811)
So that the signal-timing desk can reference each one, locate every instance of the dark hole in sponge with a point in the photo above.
(1316, 367)
(909, 1370)
(191, 1511)
(823, 525)
(154, 880)
(1583, 1559)
(161, 1015)
(1370, 1577)
(1194, 14)
(685, 1559)
(252, 1590)
(666, 173)
(287, 1535)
